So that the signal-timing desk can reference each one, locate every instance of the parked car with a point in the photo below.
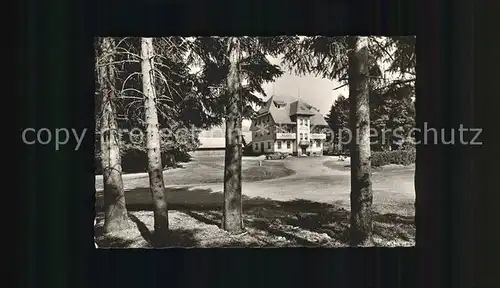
(275, 156)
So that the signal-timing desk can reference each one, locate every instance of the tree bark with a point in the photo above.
(155, 168)
(232, 214)
(114, 199)
(361, 185)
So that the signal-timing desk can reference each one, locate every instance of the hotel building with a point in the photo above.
(292, 127)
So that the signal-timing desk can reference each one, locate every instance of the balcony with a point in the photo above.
(304, 143)
(286, 136)
(318, 136)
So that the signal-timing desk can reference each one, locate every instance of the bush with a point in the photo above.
(179, 156)
(248, 151)
(136, 161)
(399, 157)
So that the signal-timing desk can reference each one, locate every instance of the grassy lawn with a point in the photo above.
(310, 208)
(196, 213)
(211, 170)
(268, 223)
(338, 165)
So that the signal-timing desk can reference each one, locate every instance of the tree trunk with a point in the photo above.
(361, 186)
(155, 168)
(114, 198)
(232, 219)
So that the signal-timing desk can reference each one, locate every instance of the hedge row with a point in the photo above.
(136, 161)
(400, 157)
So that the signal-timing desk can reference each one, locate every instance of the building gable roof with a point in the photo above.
(300, 108)
(288, 109)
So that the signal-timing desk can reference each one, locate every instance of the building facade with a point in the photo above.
(213, 140)
(292, 127)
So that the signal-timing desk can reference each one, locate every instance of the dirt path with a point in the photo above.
(315, 182)
(393, 192)
(392, 188)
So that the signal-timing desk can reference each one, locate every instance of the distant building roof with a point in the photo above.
(214, 138)
(300, 108)
(282, 108)
(212, 143)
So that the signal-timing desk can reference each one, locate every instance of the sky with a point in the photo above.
(316, 91)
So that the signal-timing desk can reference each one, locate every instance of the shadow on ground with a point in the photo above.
(285, 219)
(181, 198)
(122, 239)
(300, 222)
(176, 237)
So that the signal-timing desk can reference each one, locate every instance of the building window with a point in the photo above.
(268, 145)
(301, 136)
(279, 144)
(288, 144)
(305, 136)
(318, 143)
(301, 121)
(256, 146)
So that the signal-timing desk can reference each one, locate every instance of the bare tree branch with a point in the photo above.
(132, 89)
(128, 77)
(343, 85)
(382, 48)
(126, 52)
(131, 97)
(117, 62)
(396, 82)
(121, 41)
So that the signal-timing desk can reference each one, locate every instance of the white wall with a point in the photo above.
(284, 148)
(313, 148)
(304, 129)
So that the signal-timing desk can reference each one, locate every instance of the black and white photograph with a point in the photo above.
(255, 142)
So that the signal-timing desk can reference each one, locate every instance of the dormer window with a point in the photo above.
(279, 105)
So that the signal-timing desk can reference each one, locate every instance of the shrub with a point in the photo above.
(136, 161)
(400, 157)
(248, 151)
